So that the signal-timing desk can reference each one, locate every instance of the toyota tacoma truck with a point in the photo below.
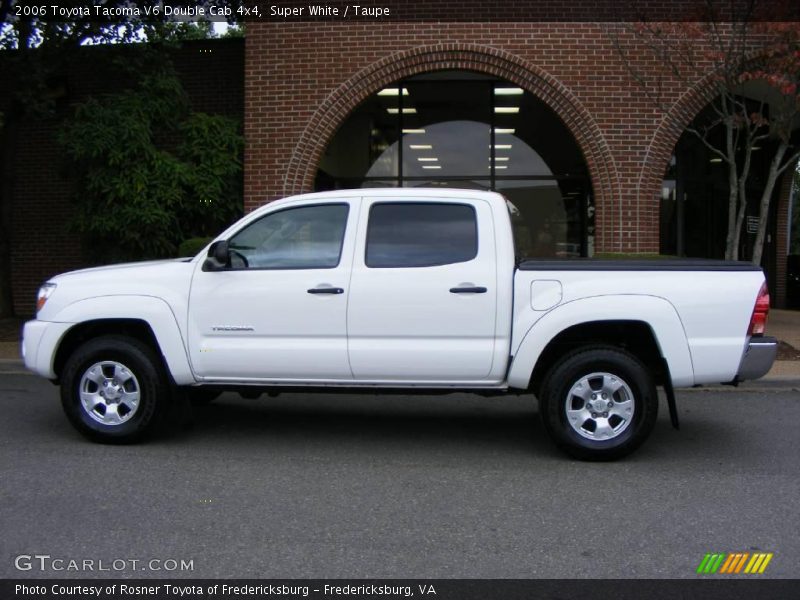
(398, 289)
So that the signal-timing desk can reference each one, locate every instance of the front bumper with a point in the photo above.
(757, 358)
(39, 342)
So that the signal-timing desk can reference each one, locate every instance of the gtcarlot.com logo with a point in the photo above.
(45, 562)
(734, 563)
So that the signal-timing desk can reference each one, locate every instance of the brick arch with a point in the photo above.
(672, 125)
(659, 151)
(680, 115)
(468, 57)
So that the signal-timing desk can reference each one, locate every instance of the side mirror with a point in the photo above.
(219, 256)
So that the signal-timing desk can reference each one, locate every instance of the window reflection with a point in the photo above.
(308, 237)
(484, 185)
(420, 234)
(547, 216)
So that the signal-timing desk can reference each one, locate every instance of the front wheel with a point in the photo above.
(113, 389)
(598, 403)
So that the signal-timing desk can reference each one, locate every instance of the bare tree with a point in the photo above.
(748, 61)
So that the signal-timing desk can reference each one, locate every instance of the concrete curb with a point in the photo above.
(13, 366)
(9, 350)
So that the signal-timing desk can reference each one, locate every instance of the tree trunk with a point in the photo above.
(740, 217)
(766, 196)
(731, 240)
(741, 188)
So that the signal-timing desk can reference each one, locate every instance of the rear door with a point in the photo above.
(423, 292)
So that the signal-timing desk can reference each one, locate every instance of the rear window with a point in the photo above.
(420, 234)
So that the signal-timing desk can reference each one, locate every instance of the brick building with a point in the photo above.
(545, 112)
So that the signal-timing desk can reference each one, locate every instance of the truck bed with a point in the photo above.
(591, 264)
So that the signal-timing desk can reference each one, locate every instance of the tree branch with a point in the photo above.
(791, 161)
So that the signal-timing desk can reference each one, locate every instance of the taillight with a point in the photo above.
(758, 321)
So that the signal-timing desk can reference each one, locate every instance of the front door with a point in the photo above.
(279, 311)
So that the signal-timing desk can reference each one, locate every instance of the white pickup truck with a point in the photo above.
(414, 289)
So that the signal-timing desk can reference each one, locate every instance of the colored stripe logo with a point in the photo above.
(734, 563)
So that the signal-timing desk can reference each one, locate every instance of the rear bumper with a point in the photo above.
(757, 358)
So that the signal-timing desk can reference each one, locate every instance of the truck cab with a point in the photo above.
(388, 288)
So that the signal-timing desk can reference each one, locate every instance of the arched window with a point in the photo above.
(466, 130)
(694, 198)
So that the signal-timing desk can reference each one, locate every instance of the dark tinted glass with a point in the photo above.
(456, 119)
(420, 234)
(546, 215)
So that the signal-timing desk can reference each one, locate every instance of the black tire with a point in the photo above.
(577, 368)
(149, 378)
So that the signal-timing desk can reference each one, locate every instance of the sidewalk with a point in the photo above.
(10, 332)
(783, 324)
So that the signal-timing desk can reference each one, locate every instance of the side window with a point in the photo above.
(307, 237)
(420, 234)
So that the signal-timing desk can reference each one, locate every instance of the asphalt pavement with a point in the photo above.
(328, 486)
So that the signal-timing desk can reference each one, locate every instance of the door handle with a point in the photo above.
(468, 290)
(326, 290)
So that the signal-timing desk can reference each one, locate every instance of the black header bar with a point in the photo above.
(337, 11)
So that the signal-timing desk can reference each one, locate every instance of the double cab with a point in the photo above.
(398, 289)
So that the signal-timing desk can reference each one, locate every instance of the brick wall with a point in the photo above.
(212, 73)
(300, 84)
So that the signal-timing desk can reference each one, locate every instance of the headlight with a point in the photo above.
(44, 293)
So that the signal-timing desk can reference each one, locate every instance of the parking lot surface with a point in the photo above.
(454, 486)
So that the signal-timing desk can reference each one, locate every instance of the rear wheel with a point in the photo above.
(114, 389)
(598, 403)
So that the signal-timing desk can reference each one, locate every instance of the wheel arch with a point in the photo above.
(82, 332)
(154, 324)
(636, 337)
(646, 326)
